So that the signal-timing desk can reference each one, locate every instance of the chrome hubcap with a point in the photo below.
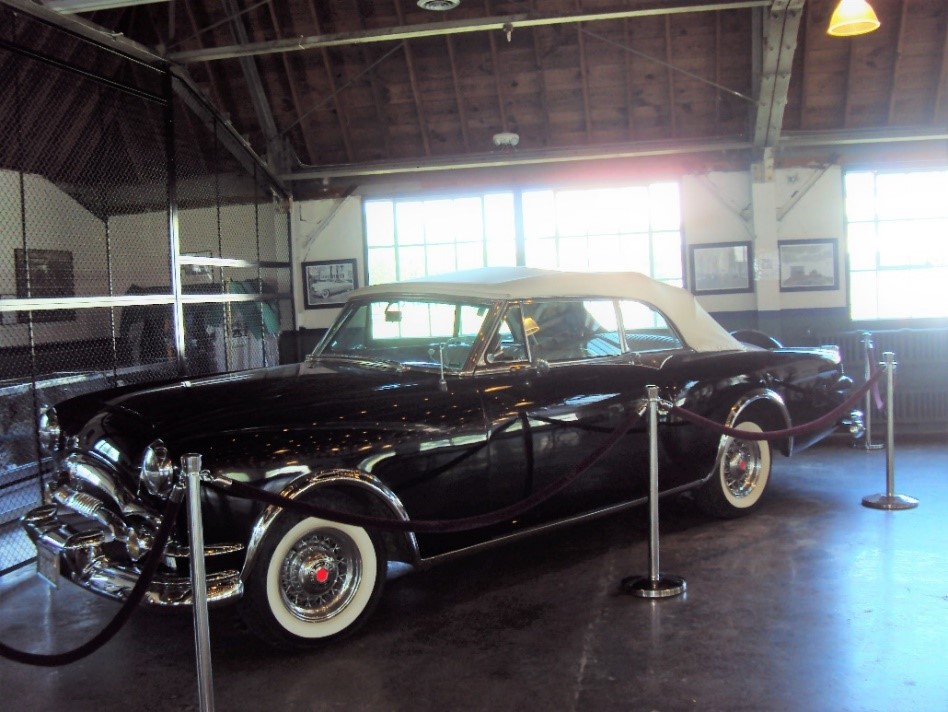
(320, 575)
(742, 467)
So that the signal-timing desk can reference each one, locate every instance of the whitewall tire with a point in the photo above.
(740, 476)
(314, 581)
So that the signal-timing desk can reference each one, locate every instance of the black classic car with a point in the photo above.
(429, 400)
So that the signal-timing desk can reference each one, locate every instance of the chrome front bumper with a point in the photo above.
(77, 541)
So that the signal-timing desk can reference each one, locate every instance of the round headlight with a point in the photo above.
(49, 430)
(157, 470)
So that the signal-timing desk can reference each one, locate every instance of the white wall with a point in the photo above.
(325, 230)
(720, 207)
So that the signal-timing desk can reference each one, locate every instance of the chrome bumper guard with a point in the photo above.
(77, 540)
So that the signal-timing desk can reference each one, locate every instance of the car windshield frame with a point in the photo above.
(382, 339)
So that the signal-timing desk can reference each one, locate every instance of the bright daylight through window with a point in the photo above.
(897, 230)
(629, 228)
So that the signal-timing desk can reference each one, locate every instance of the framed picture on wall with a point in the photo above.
(721, 268)
(326, 283)
(808, 265)
(42, 274)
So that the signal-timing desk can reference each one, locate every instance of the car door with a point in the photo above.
(560, 387)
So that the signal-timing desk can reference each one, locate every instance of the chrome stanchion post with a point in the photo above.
(654, 585)
(868, 348)
(889, 500)
(191, 467)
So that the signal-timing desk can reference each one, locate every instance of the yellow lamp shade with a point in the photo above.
(852, 17)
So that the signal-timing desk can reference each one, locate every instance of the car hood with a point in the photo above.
(285, 396)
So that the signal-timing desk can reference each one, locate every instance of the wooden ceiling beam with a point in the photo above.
(437, 29)
(781, 27)
(897, 60)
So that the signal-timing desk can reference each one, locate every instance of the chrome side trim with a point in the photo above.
(303, 485)
(430, 561)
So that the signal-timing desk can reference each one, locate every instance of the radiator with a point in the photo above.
(921, 374)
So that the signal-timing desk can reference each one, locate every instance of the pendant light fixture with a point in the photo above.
(852, 17)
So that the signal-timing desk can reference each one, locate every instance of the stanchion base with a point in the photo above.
(889, 501)
(863, 445)
(646, 587)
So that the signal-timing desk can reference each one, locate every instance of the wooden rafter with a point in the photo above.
(458, 99)
(629, 75)
(584, 75)
(847, 89)
(942, 80)
(80, 151)
(900, 43)
(420, 111)
(294, 94)
(377, 99)
(218, 97)
(717, 73)
(805, 75)
(49, 92)
(541, 81)
(498, 85)
(331, 79)
(66, 118)
(672, 113)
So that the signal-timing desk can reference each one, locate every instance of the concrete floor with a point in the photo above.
(813, 603)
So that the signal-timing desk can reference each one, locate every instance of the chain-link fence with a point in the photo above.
(139, 240)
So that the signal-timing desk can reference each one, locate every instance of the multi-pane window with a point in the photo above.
(414, 238)
(897, 232)
(630, 228)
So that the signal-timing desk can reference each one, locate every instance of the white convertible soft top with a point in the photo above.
(699, 330)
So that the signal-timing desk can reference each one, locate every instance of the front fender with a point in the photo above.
(307, 483)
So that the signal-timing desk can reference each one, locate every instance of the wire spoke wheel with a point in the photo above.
(320, 575)
(740, 476)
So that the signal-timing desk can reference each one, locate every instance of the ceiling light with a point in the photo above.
(506, 138)
(853, 17)
(438, 5)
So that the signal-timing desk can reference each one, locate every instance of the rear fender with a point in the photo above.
(769, 411)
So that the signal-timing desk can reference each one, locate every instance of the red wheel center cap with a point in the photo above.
(321, 574)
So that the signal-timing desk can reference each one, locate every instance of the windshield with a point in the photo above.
(408, 332)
